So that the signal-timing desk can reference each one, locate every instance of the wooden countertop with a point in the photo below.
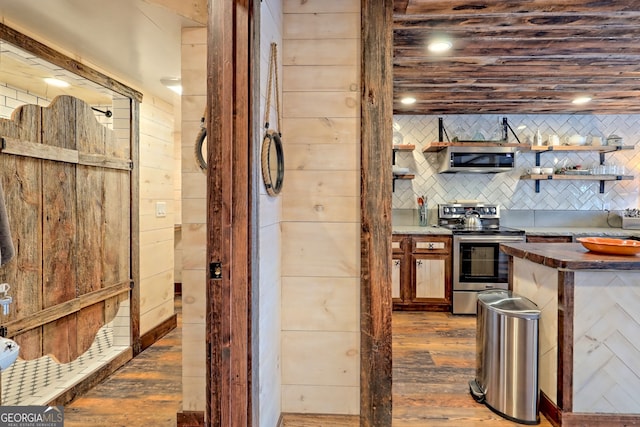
(570, 256)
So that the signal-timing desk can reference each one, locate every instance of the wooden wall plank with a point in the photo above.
(90, 199)
(41, 151)
(59, 229)
(19, 326)
(21, 180)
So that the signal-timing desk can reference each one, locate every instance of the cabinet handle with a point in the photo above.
(396, 262)
(419, 262)
(430, 245)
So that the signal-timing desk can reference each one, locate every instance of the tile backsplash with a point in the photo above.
(506, 188)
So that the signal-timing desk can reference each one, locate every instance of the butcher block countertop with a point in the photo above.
(570, 256)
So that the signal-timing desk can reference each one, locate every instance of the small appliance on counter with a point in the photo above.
(631, 219)
(478, 263)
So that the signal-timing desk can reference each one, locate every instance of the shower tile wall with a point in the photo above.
(506, 188)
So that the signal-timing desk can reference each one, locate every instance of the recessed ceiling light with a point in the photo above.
(56, 82)
(408, 100)
(581, 100)
(439, 46)
(173, 83)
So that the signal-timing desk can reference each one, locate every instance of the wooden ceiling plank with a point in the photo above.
(509, 55)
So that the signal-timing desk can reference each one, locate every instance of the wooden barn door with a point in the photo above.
(67, 182)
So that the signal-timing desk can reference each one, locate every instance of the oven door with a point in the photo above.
(478, 263)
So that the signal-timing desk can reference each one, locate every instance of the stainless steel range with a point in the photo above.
(478, 263)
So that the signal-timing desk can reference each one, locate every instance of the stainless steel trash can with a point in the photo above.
(507, 356)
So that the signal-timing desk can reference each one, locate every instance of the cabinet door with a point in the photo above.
(430, 278)
(396, 270)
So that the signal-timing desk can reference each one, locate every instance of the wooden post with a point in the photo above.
(376, 134)
(228, 334)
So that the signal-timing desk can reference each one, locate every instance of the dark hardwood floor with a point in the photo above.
(433, 361)
(147, 391)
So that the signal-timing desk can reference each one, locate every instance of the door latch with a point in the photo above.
(215, 270)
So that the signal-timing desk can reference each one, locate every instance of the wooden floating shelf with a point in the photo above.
(578, 177)
(434, 147)
(600, 148)
(403, 176)
(404, 147)
(560, 177)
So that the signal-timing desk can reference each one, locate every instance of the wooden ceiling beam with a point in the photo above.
(525, 107)
(522, 96)
(461, 7)
(480, 23)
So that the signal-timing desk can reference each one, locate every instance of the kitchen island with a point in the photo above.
(589, 356)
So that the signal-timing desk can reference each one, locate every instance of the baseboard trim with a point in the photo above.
(93, 379)
(333, 420)
(558, 418)
(550, 410)
(190, 419)
(196, 419)
(158, 332)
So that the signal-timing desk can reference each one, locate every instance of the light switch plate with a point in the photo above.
(161, 209)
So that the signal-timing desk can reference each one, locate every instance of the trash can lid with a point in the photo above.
(508, 303)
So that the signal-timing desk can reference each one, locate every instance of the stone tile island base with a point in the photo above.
(589, 352)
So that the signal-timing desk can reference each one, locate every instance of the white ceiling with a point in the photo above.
(133, 41)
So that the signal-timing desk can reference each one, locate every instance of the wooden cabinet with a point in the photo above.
(549, 239)
(429, 278)
(421, 272)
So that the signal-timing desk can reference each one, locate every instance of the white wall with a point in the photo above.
(156, 233)
(507, 188)
(269, 238)
(194, 221)
(321, 207)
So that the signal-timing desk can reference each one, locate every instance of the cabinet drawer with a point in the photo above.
(398, 243)
(549, 239)
(431, 244)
